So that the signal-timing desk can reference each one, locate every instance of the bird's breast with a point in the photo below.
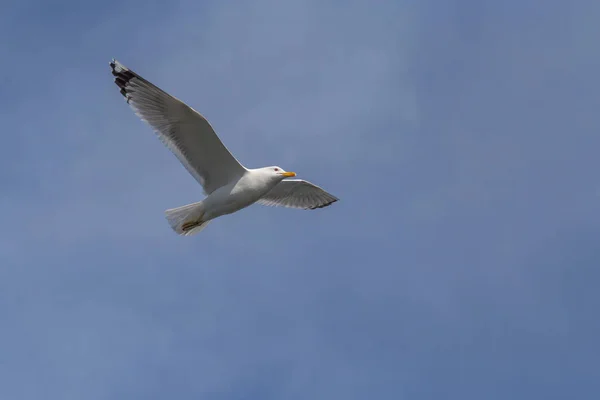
(236, 195)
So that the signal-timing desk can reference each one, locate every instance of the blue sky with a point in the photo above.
(461, 262)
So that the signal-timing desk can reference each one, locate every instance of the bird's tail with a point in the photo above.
(187, 220)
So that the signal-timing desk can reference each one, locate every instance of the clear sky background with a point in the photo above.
(462, 261)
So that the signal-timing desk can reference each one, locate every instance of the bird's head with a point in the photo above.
(278, 172)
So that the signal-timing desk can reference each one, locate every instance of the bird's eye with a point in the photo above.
(275, 169)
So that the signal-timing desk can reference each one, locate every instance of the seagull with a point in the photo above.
(227, 184)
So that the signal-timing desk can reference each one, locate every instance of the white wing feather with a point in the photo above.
(297, 193)
(181, 128)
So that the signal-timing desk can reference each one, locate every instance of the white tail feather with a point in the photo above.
(184, 215)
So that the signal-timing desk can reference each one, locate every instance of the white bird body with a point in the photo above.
(245, 191)
(229, 185)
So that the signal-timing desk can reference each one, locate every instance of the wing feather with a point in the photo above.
(181, 128)
(297, 193)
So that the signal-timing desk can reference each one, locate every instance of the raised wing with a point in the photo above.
(297, 193)
(181, 128)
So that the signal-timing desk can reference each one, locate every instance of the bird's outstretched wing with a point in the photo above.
(181, 128)
(297, 193)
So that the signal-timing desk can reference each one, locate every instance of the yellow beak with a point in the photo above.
(288, 174)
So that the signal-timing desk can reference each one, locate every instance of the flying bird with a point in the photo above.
(227, 184)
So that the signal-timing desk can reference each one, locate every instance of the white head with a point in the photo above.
(276, 173)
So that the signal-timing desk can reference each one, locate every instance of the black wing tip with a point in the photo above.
(324, 204)
(116, 67)
(122, 76)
